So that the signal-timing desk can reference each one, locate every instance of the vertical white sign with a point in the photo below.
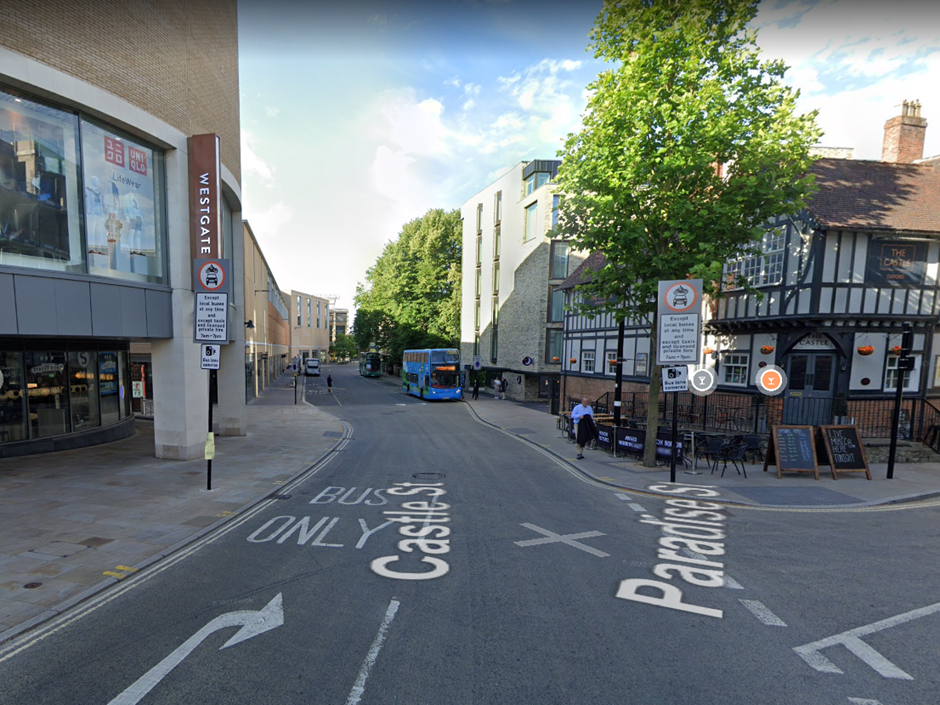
(679, 312)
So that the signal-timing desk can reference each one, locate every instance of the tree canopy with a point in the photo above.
(344, 346)
(690, 144)
(411, 297)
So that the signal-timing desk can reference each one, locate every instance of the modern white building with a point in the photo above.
(511, 312)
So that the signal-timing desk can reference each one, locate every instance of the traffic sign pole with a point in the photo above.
(675, 431)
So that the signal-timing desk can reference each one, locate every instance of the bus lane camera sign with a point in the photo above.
(679, 311)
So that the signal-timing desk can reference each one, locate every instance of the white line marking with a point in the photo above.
(567, 539)
(621, 495)
(732, 584)
(863, 701)
(636, 507)
(355, 695)
(851, 641)
(762, 613)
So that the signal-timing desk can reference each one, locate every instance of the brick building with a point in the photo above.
(97, 105)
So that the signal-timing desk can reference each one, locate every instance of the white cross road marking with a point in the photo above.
(566, 538)
(762, 613)
(851, 641)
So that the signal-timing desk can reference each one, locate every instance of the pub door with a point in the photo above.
(811, 378)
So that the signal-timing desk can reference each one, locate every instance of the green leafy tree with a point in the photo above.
(344, 346)
(411, 297)
(690, 144)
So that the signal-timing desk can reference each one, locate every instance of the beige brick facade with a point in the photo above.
(174, 59)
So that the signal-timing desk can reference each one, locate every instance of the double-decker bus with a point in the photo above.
(432, 374)
(370, 364)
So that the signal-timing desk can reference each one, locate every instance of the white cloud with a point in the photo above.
(271, 111)
(252, 164)
(472, 89)
(455, 82)
(267, 222)
(469, 105)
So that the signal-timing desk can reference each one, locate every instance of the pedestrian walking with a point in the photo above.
(329, 383)
(476, 387)
(496, 388)
(503, 386)
(583, 417)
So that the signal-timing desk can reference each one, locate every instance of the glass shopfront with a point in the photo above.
(47, 393)
(78, 197)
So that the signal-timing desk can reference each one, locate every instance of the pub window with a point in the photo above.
(587, 361)
(735, 368)
(611, 362)
(764, 267)
(910, 378)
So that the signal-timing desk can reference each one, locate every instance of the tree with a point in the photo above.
(690, 144)
(411, 297)
(344, 346)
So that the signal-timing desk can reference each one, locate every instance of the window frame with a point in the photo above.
(890, 376)
(588, 356)
(552, 274)
(532, 208)
(553, 292)
(735, 361)
(551, 333)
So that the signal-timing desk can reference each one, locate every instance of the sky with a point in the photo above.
(359, 116)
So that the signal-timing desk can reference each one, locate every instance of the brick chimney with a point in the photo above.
(904, 135)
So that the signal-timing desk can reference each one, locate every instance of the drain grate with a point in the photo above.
(428, 476)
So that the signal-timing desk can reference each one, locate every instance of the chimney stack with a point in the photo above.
(904, 135)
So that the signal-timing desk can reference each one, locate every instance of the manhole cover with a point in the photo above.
(428, 476)
(32, 586)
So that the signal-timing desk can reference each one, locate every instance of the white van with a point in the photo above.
(312, 367)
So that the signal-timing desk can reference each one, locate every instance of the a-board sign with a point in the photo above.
(845, 450)
(793, 449)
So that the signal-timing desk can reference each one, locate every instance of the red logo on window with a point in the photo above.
(137, 160)
(114, 151)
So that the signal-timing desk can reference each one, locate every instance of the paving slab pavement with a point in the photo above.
(75, 522)
(911, 482)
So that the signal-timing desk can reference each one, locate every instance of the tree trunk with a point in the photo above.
(655, 388)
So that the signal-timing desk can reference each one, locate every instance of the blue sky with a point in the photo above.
(360, 116)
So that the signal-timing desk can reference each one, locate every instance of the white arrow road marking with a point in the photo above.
(359, 687)
(567, 539)
(851, 641)
(252, 623)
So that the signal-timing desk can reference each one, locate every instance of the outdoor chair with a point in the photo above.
(754, 446)
(710, 449)
(733, 454)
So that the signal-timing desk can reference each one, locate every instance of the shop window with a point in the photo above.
(123, 384)
(125, 232)
(83, 390)
(12, 398)
(39, 186)
(47, 394)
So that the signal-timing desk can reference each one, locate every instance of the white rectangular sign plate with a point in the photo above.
(679, 312)
(676, 379)
(211, 320)
(211, 355)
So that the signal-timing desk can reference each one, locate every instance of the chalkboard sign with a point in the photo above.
(793, 448)
(845, 450)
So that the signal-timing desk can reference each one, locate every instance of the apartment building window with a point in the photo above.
(498, 208)
(536, 181)
(495, 277)
(497, 241)
(309, 313)
(587, 360)
(555, 346)
(494, 345)
(318, 314)
(300, 312)
(556, 307)
(559, 262)
(891, 374)
(531, 221)
(479, 218)
(611, 362)
(476, 344)
(555, 202)
(479, 279)
(494, 317)
(476, 314)
(479, 250)
(735, 368)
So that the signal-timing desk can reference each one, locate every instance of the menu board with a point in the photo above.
(793, 449)
(845, 450)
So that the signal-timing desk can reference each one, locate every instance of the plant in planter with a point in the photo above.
(573, 360)
(896, 349)
(708, 351)
(766, 349)
(865, 350)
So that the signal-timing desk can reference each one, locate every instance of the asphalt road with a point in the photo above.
(516, 603)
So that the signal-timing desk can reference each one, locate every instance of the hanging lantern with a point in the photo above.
(865, 350)
(766, 349)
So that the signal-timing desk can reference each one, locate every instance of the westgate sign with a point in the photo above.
(679, 313)
(205, 196)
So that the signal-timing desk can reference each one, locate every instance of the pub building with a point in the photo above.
(837, 283)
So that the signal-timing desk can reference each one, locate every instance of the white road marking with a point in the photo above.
(621, 495)
(252, 623)
(851, 641)
(863, 701)
(359, 687)
(566, 539)
(762, 613)
(401, 405)
(730, 582)
(636, 507)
